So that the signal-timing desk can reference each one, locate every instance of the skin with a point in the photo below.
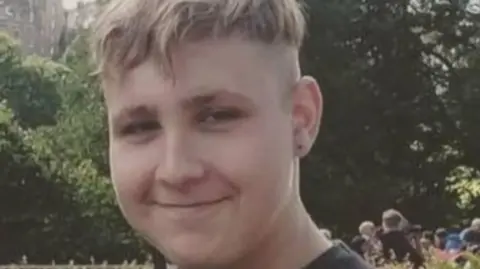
(368, 230)
(205, 162)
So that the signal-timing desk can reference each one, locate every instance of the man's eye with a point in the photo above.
(219, 115)
(140, 127)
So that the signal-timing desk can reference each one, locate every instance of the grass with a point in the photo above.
(472, 262)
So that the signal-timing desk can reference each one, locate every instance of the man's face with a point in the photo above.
(202, 164)
(369, 231)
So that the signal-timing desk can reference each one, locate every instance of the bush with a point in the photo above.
(468, 261)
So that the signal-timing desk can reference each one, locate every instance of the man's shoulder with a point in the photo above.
(339, 256)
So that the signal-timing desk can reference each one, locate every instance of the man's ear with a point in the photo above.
(307, 109)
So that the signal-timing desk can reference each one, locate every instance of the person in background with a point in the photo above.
(395, 243)
(427, 240)
(358, 244)
(471, 235)
(440, 238)
(454, 243)
(368, 231)
(414, 235)
(446, 246)
(366, 243)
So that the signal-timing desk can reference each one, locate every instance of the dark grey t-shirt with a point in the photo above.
(339, 257)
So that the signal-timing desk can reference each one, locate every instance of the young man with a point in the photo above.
(208, 117)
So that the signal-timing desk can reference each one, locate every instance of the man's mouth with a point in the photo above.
(194, 204)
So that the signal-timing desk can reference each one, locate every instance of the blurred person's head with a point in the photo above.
(393, 220)
(476, 224)
(367, 228)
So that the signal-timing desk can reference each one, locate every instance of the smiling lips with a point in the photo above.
(193, 205)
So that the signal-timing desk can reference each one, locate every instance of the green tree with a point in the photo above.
(54, 155)
(33, 208)
(29, 84)
(391, 134)
(76, 149)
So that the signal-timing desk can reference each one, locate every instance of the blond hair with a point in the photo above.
(130, 31)
(364, 226)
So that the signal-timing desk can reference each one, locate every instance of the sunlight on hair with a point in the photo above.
(130, 31)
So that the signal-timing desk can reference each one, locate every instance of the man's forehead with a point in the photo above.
(146, 84)
(224, 55)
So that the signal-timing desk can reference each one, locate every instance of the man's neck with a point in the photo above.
(293, 243)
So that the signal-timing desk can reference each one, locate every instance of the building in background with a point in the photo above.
(37, 24)
(83, 15)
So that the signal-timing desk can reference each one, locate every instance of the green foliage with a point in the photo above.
(397, 118)
(467, 186)
(472, 262)
(82, 163)
(33, 208)
(56, 139)
(29, 84)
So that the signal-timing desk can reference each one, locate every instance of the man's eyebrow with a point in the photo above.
(132, 112)
(150, 111)
(202, 99)
(211, 96)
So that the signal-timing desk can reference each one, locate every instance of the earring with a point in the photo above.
(299, 150)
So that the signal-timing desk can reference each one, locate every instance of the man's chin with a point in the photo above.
(191, 252)
(190, 259)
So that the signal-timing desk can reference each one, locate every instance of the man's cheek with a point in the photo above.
(129, 191)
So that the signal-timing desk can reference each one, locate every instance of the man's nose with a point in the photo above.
(181, 167)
